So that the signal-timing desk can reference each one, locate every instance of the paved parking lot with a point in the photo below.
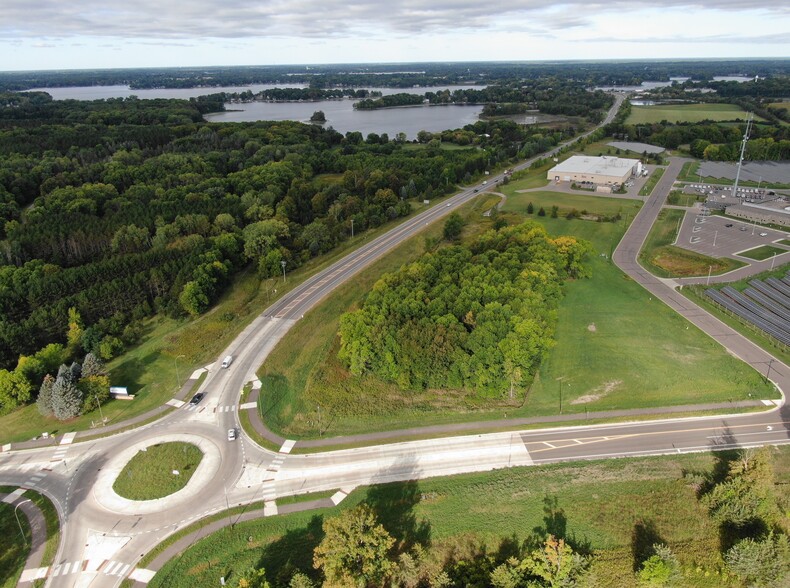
(711, 235)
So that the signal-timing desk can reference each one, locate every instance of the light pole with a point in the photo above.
(715, 234)
(21, 532)
(773, 260)
(100, 412)
(710, 268)
(282, 263)
(178, 376)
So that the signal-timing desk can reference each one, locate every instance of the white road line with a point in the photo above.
(248, 405)
(549, 444)
(175, 402)
(142, 575)
(287, 446)
(123, 570)
(11, 498)
(68, 438)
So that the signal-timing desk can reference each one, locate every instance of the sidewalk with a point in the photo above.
(182, 544)
(38, 529)
(101, 431)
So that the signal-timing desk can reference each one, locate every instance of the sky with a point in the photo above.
(84, 34)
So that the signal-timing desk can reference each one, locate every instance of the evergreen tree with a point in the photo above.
(66, 398)
(93, 366)
(530, 208)
(44, 400)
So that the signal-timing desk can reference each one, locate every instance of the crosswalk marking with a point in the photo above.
(68, 438)
(231, 408)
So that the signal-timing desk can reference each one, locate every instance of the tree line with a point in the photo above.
(478, 316)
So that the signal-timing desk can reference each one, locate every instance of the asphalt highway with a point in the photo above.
(103, 536)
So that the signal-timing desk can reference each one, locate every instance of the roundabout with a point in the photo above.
(104, 490)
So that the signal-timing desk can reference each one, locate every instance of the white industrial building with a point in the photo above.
(603, 171)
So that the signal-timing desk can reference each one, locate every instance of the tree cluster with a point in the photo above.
(357, 551)
(753, 517)
(479, 317)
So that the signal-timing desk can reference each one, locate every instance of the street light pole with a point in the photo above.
(282, 263)
(100, 412)
(715, 234)
(21, 532)
(710, 268)
(178, 376)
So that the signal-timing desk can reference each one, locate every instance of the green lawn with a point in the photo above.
(762, 252)
(678, 113)
(149, 474)
(590, 202)
(666, 260)
(612, 508)
(651, 182)
(679, 198)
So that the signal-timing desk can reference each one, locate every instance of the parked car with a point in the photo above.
(728, 225)
(743, 229)
(763, 234)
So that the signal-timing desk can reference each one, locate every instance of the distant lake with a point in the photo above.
(340, 114)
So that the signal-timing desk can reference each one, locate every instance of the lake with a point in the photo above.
(340, 114)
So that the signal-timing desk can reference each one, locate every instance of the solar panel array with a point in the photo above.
(764, 304)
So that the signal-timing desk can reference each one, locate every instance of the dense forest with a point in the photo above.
(478, 316)
(124, 208)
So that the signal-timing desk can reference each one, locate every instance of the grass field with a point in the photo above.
(679, 113)
(666, 260)
(149, 474)
(598, 319)
(762, 252)
(679, 198)
(588, 202)
(651, 182)
(611, 508)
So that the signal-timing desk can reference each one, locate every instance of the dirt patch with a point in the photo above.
(592, 328)
(599, 392)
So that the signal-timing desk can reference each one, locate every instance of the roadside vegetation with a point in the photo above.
(651, 182)
(666, 260)
(660, 521)
(158, 471)
(599, 360)
(14, 546)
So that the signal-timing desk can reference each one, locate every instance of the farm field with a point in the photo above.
(609, 508)
(678, 113)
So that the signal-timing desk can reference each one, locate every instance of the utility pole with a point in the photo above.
(710, 269)
(282, 263)
(743, 150)
(102, 415)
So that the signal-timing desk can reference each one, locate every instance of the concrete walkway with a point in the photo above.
(185, 390)
(38, 528)
(185, 542)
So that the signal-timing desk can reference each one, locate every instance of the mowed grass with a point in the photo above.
(666, 260)
(611, 508)
(679, 113)
(762, 252)
(590, 202)
(149, 474)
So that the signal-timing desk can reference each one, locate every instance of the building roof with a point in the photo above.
(604, 165)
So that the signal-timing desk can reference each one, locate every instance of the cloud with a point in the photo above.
(777, 38)
(154, 19)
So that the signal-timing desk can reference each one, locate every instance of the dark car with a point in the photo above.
(476, 190)
(197, 398)
(728, 225)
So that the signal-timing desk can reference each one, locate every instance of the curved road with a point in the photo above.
(104, 536)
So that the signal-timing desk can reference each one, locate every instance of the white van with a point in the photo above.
(227, 361)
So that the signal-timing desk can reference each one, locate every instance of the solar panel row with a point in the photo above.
(747, 314)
